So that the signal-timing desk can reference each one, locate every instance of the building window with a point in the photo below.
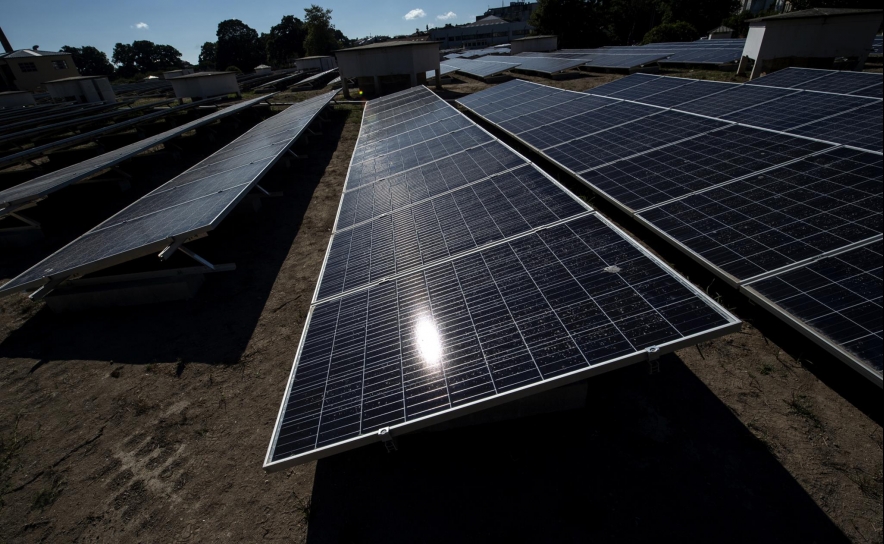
(27, 67)
(60, 65)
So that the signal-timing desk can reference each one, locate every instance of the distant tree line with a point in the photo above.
(594, 23)
(240, 47)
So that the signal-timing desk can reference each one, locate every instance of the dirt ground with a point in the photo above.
(151, 424)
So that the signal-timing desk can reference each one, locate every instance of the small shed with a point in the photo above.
(391, 65)
(811, 37)
(318, 63)
(16, 99)
(534, 44)
(81, 89)
(721, 33)
(263, 69)
(205, 85)
(171, 74)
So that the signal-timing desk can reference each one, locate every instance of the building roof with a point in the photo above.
(383, 45)
(535, 37)
(817, 12)
(490, 20)
(315, 57)
(29, 53)
(721, 30)
(75, 78)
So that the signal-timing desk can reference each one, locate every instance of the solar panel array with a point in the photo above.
(853, 83)
(30, 191)
(462, 281)
(480, 68)
(767, 180)
(190, 204)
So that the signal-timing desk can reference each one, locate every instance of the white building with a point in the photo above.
(388, 66)
(534, 44)
(82, 89)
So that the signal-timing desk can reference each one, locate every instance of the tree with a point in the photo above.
(320, 32)
(89, 60)
(342, 40)
(286, 41)
(703, 15)
(575, 22)
(626, 21)
(238, 45)
(208, 55)
(671, 32)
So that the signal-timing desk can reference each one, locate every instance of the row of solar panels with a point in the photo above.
(460, 276)
(771, 188)
(188, 206)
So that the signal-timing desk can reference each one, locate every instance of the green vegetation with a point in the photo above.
(671, 32)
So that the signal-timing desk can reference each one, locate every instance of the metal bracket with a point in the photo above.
(170, 249)
(30, 222)
(265, 192)
(196, 257)
(47, 288)
(388, 440)
(653, 357)
(295, 155)
(314, 133)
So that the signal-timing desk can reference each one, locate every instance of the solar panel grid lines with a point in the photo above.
(835, 301)
(706, 160)
(481, 68)
(546, 65)
(795, 109)
(43, 185)
(685, 93)
(621, 84)
(650, 88)
(581, 105)
(742, 97)
(841, 82)
(526, 314)
(153, 221)
(859, 127)
(443, 226)
(410, 137)
(873, 91)
(754, 226)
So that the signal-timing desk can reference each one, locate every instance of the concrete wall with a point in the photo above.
(316, 63)
(82, 90)
(540, 44)
(205, 85)
(16, 99)
(46, 71)
(807, 38)
(378, 65)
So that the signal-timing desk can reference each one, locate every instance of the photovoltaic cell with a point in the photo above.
(875, 91)
(630, 139)
(861, 128)
(841, 82)
(786, 215)
(837, 300)
(624, 83)
(571, 108)
(650, 88)
(742, 97)
(546, 65)
(572, 128)
(685, 93)
(523, 312)
(797, 109)
(790, 77)
(693, 165)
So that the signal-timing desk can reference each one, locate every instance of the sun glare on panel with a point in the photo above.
(428, 341)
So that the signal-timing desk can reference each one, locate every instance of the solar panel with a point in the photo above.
(546, 65)
(650, 88)
(841, 82)
(629, 139)
(716, 56)
(696, 164)
(737, 98)
(443, 68)
(861, 127)
(541, 309)
(191, 203)
(453, 287)
(790, 77)
(574, 106)
(874, 91)
(39, 187)
(684, 93)
(624, 83)
(39, 150)
(481, 68)
(622, 61)
(781, 217)
(571, 128)
(834, 301)
(795, 110)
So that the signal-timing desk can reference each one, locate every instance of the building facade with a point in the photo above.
(485, 32)
(27, 69)
(516, 11)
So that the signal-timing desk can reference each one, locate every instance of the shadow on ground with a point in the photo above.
(215, 326)
(650, 458)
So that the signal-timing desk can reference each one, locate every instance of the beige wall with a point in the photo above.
(28, 81)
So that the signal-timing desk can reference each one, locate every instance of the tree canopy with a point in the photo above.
(145, 56)
(679, 31)
(320, 38)
(238, 45)
(208, 57)
(285, 41)
(89, 60)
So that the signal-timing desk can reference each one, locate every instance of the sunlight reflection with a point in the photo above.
(429, 343)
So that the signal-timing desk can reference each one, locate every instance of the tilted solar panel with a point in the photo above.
(860, 127)
(466, 282)
(189, 204)
(790, 77)
(835, 301)
(795, 110)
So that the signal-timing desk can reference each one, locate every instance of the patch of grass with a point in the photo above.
(766, 369)
(802, 406)
(303, 506)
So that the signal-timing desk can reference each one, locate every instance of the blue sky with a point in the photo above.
(186, 24)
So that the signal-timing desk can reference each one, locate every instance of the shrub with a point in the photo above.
(679, 31)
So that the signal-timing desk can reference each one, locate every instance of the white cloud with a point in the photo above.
(447, 17)
(141, 26)
(414, 14)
